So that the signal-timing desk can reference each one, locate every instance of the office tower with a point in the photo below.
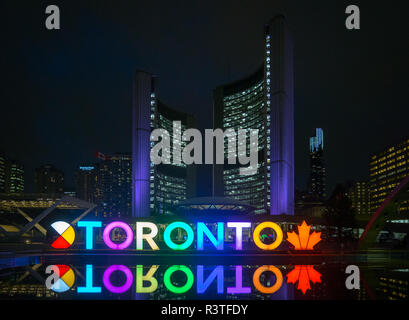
(317, 180)
(2, 173)
(386, 170)
(48, 179)
(113, 186)
(358, 193)
(156, 188)
(264, 101)
(11, 175)
(14, 177)
(86, 181)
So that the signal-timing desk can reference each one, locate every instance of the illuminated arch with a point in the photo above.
(378, 219)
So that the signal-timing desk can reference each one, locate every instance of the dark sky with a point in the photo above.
(65, 94)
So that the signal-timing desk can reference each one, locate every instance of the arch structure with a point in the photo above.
(388, 210)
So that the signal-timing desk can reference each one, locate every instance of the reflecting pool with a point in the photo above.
(380, 276)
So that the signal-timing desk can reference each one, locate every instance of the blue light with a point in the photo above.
(89, 168)
(89, 235)
(217, 272)
(88, 282)
(202, 229)
(317, 142)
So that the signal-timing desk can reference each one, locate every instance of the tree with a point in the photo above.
(339, 212)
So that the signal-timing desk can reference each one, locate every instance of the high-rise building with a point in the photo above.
(2, 173)
(358, 193)
(11, 175)
(317, 179)
(264, 101)
(14, 177)
(48, 179)
(86, 182)
(386, 170)
(156, 188)
(113, 185)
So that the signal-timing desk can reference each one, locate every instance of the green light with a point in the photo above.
(183, 226)
(169, 285)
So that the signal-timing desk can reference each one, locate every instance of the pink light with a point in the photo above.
(107, 233)
(125, 286)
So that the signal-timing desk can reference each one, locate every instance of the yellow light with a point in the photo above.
(262, 226)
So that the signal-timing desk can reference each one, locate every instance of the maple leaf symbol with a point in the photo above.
(304, 240)
(303, 274)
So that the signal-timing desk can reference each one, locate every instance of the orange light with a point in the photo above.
(277, 285)
(304, 240)
(276, 228)
(303, 274)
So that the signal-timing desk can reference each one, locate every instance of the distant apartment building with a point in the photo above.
(359, 194)
(86, 182)
(11, 175)
(2, 173)
(387, 169)
(113, 185)
(48, 179)
(14, 177)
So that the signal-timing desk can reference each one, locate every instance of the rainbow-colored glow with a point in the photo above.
(245, 279)
(181, 235)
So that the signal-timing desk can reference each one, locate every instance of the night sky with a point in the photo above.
(67, 93)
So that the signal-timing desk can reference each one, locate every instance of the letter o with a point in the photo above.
(125, 286)
(276, 228)
(169, 284)
(277, 284)
(184, 226)
(107, 238)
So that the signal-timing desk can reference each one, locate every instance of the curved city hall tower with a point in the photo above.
(156, 189)
(264, 101)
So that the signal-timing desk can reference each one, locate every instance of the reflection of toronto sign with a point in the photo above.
(146, 232)
(237, 149)
(62, 278)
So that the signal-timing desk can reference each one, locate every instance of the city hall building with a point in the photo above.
(265, 101)
(156, 188)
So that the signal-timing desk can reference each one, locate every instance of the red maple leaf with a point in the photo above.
(304, 240)
(303, 274)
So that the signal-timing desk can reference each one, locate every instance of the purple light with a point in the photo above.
(124, 287)
(107, 238)
(239, 283)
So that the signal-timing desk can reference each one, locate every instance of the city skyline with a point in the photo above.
(103, 98)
